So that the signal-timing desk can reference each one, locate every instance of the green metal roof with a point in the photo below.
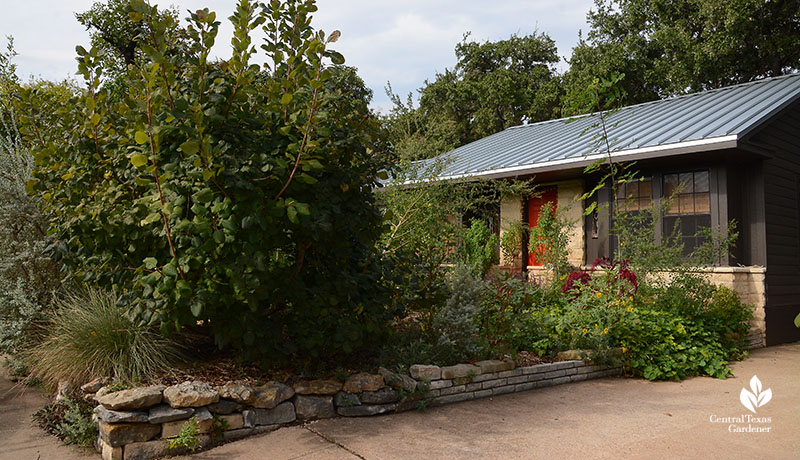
(708, 120)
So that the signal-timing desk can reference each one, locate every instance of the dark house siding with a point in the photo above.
(781, 210)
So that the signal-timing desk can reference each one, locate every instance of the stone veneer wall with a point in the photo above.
(749, 283)
(568, 192)
(137, 424)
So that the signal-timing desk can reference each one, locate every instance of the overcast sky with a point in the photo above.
(401, 41)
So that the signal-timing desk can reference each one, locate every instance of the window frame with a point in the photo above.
(717, 178)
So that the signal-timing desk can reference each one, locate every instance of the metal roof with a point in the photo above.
(709, 120)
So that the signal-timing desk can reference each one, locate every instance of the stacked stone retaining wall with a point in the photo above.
(144, 423)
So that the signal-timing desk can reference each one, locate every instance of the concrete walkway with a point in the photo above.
(608, 418)
(20, 438)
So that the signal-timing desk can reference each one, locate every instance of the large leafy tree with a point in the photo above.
(671, 47)
(493, 86)
(117, 36)
(224, 191)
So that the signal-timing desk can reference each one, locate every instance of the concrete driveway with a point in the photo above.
(607, 418)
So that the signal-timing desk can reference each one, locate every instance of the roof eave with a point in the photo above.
(642, 153)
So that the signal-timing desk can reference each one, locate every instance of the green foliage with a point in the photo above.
(221, 191)
(636, 236)
(119, 386)
(493, 86)
(660, 345)
(455, 325)
(597, 307)
(517, 315)
(478, 249)
(90, 336)
(218, 428)
(188, 437)
(674, 47)
(28, 276)
(114, 30)
(718, 310)
(78, 427)
(511, 242)
(549, 239)
(70, 420)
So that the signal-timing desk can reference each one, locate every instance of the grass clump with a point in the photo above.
(90, 336)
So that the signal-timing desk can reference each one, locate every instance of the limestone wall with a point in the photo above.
(568, 192)
(141, 423)
(749, 283)
(510, 211)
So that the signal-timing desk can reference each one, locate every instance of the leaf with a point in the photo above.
(291, 212)
(797, 321)
(765, 397)
(337, 58)
(138, 160)
(286, 99)
(204, 196)
(755, 385)
(334, 36)
(140, 137)
(197, 309)
(190, 147)
(95, 119)
(748, 400)
(170, 269)
(150, 263)
(150, 218)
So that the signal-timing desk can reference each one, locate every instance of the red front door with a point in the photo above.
(535, 205)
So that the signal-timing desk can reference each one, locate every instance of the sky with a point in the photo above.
(404, 42)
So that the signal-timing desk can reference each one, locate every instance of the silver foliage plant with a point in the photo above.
(28, 277)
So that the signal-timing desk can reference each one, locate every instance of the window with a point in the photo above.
(635, 195)
(690, 208)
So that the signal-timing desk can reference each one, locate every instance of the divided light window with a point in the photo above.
(635, 195)
(691, 206)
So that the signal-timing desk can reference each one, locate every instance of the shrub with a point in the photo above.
(718, 310)
(188, 437)
(90, 336)
(478, 249)
(456, 323)
(511, 242)
(28, 276)
(517, 314)
(549, 239)
(660, 345)
(599, 303)
(78, 427)
(70, 420)
(225, 191)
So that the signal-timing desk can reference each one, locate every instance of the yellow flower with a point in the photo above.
(605, 331)
(585, 330)
(630, 309)
(596, 325)
(624, 350)
(599, 294)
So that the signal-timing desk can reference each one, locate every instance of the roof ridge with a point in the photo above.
(671, 98)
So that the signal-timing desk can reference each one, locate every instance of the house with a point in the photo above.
(736, 150)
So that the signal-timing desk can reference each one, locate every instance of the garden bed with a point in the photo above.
(158, 420)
